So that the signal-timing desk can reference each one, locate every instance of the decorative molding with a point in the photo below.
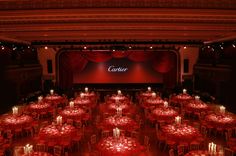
(59, 4)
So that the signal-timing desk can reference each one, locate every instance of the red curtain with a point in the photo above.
(162, 62)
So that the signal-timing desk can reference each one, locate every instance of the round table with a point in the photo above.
(181, 98)
(37, 154)
(196, 106)
(204, 153)
(180, 133)
(121, 122)
(39, 107)
(224, 121)
(55, 99)
(16, 121)
(111, 108)
(153, 102)
(122, 146)
(57, 132)
(83, 102)
(164, 114)
(146, 94)
(120, 98)
(74, 113)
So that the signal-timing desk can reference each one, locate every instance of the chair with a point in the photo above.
(93, 140)
(171, 152)
(57, 151)
(135, 135)
(69, 121)
(228, 152)
(105, 134)
(18, 150)
(40, 148)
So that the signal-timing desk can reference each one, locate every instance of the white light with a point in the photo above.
(150, 47)
(130, 47)
(85, 47)
(185, 47)
(28, 47)
(113, 50)
(3, 48)
(45, 47)
(233, 45)
(208, 46)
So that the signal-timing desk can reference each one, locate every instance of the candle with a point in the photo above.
(59, 120)
(114, 133)
(14, 110)
(40, 98)
(119, 111)
(154, 95)
(222, 109)
(86, 89)
(184, 91)
(177, 119)
(82, 95)
(51, 91)
(119, 92)
(71, 104)
(117, 132)
(149, 89)
(165, 104)
(197, 98)
(28, 149)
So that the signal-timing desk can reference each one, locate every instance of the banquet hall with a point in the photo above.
(117, 78)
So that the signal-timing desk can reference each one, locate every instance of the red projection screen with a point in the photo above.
(118, 70)
(100, 67)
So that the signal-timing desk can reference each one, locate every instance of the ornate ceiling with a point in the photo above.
(98, 20)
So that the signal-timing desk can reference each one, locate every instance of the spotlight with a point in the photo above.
(150, 47)
(14, 48)
(185, 47)
(113, 50)
(46, 47)
(28, 47)
(85, 47)
(208, 46)
(3, 48)
(233, 45)
(130, 47)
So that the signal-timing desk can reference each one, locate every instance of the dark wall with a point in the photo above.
(215, 74)
(20, 75)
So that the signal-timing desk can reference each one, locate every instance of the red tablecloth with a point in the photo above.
(179, 133)
(40, 107)
(181, 98)
(57, 132)
(16, 121)
(204, 153)
(153, 102)
(196, 106)
(54, 99)
(146, 94)
(121, 122)
(120, 98)
(83, 102)
(111, 108)
(122, 146)
(220, 120)
(74, 113)
(164, 114)
(37, 154)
